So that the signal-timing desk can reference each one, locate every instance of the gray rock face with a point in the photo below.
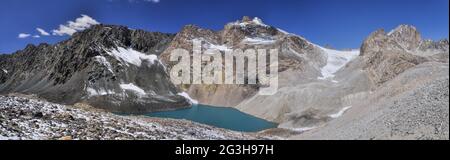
(296, 54)
(109, 67)
(387, 55)
(406, 36)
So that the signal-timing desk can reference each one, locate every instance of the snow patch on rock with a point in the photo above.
(98, 92)
(185, 95)
(133, 88)
(208, 45)
(301, 129)
(102, 60)
(256, 21)
(219, 47)
(340, 113)
(401, 29)
(283, 31)
(132, 56)
(258, 40)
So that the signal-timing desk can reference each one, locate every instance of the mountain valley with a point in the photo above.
(395, 86)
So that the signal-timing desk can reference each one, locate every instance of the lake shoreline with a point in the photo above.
(86, 123)
(221, 117)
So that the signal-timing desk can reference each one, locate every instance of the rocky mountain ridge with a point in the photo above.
(110, 67)
(387, 55)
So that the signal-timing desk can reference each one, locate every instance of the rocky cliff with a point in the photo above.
(109, 67)
(297, 56)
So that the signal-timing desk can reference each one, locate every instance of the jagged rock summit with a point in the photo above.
(387, 55)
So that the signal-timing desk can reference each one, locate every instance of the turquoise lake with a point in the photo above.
(221, 117)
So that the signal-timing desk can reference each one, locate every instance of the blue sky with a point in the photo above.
(339, 23)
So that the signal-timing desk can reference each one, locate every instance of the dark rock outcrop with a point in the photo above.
(109, 67)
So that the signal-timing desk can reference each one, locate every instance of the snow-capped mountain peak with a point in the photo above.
(247, 21)
(258, 21)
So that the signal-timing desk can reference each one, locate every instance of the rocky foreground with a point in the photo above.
(31, 119)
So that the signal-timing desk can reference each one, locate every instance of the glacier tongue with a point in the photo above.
(336, 60)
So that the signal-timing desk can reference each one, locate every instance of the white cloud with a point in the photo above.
(71, 27)
(24, 35)
(63, 30)
(42, 32)
(36, 36)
